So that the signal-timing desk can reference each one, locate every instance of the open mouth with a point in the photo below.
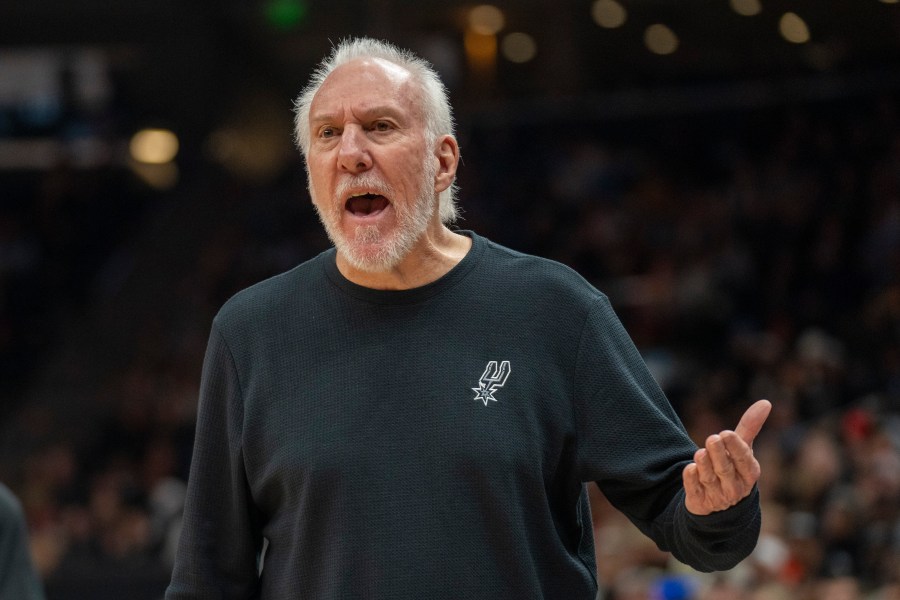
(365, 205)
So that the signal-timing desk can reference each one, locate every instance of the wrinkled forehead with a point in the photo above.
(377, 67)
(368, 80)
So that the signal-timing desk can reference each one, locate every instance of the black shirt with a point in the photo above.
(430, 443)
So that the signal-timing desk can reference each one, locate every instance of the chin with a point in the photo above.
(371, 262)
(373, 257)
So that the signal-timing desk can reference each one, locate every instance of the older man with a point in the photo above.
(414, 413)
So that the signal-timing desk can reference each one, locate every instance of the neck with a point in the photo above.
(433, 256)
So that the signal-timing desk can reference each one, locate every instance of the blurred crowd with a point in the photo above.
(751, 254)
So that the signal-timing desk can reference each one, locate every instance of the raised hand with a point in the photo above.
(724, 471)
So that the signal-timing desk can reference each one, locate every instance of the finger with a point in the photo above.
(752, 421)
(718, 457)
(692, 480)
(745, 464)
(705, 471)
(694, 492)
(729, 480)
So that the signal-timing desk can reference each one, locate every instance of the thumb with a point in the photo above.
(752, 421)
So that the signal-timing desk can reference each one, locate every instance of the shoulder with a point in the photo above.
(539, 278)
(280, 295)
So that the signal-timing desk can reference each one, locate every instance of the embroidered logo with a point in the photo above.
(491, 380)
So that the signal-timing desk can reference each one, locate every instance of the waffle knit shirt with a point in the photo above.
(430, 443)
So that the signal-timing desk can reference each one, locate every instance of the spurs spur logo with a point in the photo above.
(491, 380)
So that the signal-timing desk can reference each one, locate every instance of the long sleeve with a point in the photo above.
(18, 578)
(633, 445)
(715, 542)
(220, 541)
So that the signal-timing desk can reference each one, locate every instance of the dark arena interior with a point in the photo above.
(726, 171)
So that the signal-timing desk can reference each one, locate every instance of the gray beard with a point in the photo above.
(370, 250)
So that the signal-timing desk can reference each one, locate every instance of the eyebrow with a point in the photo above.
(366, 114)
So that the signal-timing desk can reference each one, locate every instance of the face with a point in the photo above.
(371, 170)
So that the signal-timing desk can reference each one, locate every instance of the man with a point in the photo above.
(413, 414)
(18, 579)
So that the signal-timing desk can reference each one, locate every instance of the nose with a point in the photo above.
(353, 153)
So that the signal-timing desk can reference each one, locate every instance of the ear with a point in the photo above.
(447, 154)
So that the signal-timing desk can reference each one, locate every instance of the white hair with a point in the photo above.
(436, 109)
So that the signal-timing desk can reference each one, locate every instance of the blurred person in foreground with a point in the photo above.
(18, 578)
(414, 413)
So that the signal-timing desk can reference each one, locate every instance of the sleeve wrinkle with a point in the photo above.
(574, 386)
(237, 378)
(239, 420)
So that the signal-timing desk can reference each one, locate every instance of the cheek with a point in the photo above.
(413, 172)
(317, 183)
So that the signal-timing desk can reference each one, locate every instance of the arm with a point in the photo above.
(220, 537)
(18, 579)
(718, 505)
(634, 446)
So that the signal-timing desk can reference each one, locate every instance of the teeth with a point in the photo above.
(361, 194)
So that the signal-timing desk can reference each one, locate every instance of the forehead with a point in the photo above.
(366, 83)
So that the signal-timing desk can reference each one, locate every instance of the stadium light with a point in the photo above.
(609, 14)
(793, 28)
(154, 146)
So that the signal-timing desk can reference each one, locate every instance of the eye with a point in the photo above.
(382, 126)
(327, 132)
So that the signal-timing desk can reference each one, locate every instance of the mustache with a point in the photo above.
(369, 181)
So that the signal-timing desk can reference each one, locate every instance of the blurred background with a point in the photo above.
(727, 171)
